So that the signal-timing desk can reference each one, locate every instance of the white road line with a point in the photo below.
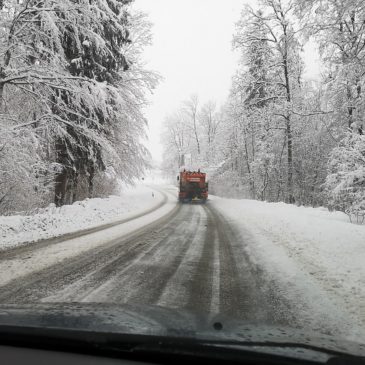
(215, 303)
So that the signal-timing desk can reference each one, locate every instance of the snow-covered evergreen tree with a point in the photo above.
(77, 65)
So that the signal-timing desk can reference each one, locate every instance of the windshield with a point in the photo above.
(183, 160)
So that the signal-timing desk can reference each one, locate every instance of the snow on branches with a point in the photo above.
(70, 74)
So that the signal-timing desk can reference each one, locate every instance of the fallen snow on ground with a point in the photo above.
(53, 222)
(43, 257)
(317, 256)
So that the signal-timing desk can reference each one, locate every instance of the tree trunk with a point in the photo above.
(196, 136)
(289, 135)
(60, 188)
(91, 181)
(61, 179)
(1, 97)
(250, 175)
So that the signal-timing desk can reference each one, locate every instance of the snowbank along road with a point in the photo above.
(177, 256)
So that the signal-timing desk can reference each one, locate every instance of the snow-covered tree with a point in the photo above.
(265, 94)
(339, 29)
(210, 121)
(192, 136)
(77, 65)
(176, 139)
(191, 113)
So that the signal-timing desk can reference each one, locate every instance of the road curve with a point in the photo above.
(193, 259)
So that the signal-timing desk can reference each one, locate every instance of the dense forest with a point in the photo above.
(279, 137)
(72, 89)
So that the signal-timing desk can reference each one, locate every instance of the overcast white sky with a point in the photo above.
(192, 51)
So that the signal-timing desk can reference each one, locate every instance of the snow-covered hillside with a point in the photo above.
(52, 221)
(309, 251)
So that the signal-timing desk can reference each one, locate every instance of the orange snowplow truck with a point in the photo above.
(193, 187)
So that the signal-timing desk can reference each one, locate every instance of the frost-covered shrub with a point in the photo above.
(228, 184)
(26, 181)
(106, 183)
(345, 183)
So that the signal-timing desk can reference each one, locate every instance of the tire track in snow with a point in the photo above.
(63, 276)
(143, 281)
(177, 290)
(203, 291)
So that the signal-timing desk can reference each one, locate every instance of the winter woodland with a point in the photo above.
(72, 91)
(279, 137)
(73, 88)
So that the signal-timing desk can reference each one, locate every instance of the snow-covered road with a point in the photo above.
(196, 257)
(189, 259)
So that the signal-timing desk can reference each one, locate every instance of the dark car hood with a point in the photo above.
(159, 321)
